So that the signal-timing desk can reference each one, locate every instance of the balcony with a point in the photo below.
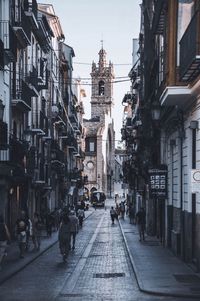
(32, 81)
(18, 149)
(43, 77)
(9, 40)
(190, 50)
(23, 30)
(40, 124)
(1, 54)
(44, 33)
(158, 25)
(175, 95)
(21, 99)
(30, 8)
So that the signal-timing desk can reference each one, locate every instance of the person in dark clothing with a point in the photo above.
(112, 214)
(141, 220)
(64, 236)
(49, 224)
(22, 226)
(132, 214)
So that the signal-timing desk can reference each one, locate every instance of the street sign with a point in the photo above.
(195, 180)
(158, 182)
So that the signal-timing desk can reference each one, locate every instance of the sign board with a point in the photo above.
(158, 182)
(195, 180)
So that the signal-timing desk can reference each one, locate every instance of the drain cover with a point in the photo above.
(187, 278)
(108, 275)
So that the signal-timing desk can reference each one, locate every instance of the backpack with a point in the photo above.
(3, 233)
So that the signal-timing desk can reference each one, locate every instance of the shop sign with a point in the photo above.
(195, 180)
(158, 182)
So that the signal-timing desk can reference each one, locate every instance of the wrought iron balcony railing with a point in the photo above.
(23, 30)
(31, 9)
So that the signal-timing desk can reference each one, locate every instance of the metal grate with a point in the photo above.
(187, 278)
(108, 275)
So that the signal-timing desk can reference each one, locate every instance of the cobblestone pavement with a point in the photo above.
(98, 269)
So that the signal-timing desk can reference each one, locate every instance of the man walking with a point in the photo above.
(141, 220)
(73, 228)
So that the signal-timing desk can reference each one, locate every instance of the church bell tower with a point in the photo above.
(102, 87)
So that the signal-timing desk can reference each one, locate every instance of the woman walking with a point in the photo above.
(64, 236)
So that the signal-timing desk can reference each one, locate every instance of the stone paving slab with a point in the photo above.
(13, 264)
(156, 267)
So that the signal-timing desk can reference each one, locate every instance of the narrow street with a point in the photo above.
(98, 269)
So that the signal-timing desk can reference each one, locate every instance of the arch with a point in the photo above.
(93, 189)
(101, 88)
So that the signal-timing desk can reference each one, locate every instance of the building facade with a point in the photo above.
(168, 132)
(39, 121)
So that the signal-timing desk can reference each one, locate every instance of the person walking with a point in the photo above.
(49, 223)
(64, 236)
(112, 214)
(73, 228)
(21, 230)
(81, 216)
(122, 209)
(29, 232)
(132, 214)
(36, 231)
(141, 220)
(4, 239)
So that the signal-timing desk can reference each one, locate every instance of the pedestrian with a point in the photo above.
(64, 236)
(4, 239)
(112, 214)
(131, 214)
(21, 230)
(81, 216)
(122, 209)
(37, 228)
(73, 228)
(141, 220)
(28, 231)
(49, 223)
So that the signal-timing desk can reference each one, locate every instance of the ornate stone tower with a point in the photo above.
(99, 130)
(102, 87)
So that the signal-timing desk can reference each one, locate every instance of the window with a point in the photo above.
(185, 14)
(101, 88)
(90, 144)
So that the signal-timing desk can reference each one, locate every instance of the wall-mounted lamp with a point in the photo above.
(194, 125)
(155, 111)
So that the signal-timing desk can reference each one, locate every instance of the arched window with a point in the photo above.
(101, 88)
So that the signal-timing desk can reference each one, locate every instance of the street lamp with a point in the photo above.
(155, 111)
(1, 110)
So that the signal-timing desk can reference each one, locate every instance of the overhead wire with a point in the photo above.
(68, 82)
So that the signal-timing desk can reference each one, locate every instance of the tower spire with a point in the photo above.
(101, 44)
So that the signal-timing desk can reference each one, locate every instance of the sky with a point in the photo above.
(85, 23)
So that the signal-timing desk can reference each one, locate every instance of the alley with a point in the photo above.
(98, 269)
